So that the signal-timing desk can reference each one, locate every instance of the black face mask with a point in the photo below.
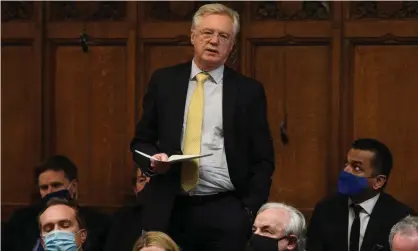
(264, 243)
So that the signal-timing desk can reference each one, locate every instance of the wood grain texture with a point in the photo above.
(338, 70)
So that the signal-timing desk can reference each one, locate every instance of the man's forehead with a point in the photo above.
(406, 242)
(360, 155)
(275, 217)
(219, 22)
(57, 213)
(51, 175)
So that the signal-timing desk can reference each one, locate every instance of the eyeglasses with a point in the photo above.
(209, 34)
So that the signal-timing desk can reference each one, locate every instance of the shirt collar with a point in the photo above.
(367, 205)
(216, 75)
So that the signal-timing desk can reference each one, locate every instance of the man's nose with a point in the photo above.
(348, 168)
(214, 39)
(257, 231)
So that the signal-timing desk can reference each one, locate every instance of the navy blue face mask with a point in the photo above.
(350, 184)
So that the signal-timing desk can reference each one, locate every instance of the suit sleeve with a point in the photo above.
(261, 153)
(146, 131)
(314, 242)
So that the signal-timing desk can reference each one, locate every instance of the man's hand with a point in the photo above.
(161, 166)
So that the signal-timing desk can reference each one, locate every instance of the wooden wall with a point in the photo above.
(333, 71)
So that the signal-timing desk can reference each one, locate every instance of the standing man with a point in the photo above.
(202, 107)
(361, 215)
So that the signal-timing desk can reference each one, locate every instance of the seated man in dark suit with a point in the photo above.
(126, 225)
(56, 177)
(361, 215)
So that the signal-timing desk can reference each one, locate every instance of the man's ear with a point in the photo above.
(380, 182)
(74, 189)
(83, 235)
(192, 37)
(292, 242)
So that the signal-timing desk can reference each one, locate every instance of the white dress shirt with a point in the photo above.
(365, 213)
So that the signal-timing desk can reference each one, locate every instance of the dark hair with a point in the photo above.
(61, 201)
(382, 161)
(57, 163)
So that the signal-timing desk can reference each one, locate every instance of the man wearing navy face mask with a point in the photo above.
(278, 227)
(55, 178)
(61, 227)
(360, 216)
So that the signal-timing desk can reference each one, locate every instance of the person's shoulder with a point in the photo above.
(91, 215)
(22, 213)
(163, 71)
(243, 79)
(331, 201)
(396, 205)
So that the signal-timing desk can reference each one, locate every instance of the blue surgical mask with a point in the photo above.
(60, 241)
(350, 184)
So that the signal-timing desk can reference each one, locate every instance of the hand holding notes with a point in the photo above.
(160, 162)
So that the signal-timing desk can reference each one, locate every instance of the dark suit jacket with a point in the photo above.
(22, 230)
(125, 230)
(328, 229)
(248, 143)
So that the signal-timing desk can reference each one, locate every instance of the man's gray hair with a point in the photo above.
(408, 226)
(217, 8)
(296, 224)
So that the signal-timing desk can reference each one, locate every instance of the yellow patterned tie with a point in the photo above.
(193, 134)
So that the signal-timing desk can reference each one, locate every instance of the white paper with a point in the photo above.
(175, 158)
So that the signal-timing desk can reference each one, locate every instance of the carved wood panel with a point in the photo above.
(91, 118)
(21, 122)
(292, 10)
(296, 79)
(88, 11)
(179, 11)
(384, 106)
(384, 10)
(16, 11)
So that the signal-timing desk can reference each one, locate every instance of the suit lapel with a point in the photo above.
(229, 95)
(342, 223)
(373, 226)
(179, 95)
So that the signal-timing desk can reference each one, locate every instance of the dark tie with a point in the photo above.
(355, 229)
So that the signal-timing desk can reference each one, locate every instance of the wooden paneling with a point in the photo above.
(21, 99)
(384, 107)
(90, 113)
(91, 105)
(337, 70)
(297, 83)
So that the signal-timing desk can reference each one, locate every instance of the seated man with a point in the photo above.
(361, 215)
(278, 227)
(56, 177)
(404, 235)
(127, 222)
(61, 226)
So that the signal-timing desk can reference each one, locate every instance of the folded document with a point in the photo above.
(175, 158)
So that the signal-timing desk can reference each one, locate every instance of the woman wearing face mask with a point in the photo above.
(278, 227)
(155, 241)
(61, 227)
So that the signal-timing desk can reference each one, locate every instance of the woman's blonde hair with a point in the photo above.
(155, 239)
